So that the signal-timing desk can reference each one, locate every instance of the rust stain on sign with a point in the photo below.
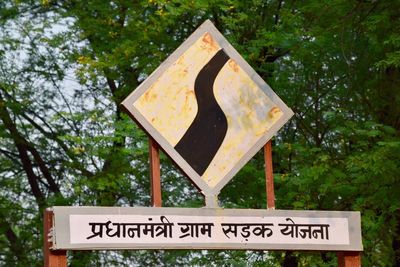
(209, 43)
(233, 65)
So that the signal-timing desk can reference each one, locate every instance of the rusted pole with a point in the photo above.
(56, 258)
(269, 175)
(155, 183)
(349, 259)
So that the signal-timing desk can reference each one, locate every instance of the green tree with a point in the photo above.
(65, 67)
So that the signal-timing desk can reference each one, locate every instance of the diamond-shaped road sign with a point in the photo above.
(207, 109)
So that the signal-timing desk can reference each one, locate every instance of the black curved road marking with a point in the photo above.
(203, 138)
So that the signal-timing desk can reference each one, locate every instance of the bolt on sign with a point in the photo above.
(207, 109)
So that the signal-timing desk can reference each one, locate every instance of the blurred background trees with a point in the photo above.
(65, 66)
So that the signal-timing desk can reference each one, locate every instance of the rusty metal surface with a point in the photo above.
(269, 175)
(155, 177)
(51, 258)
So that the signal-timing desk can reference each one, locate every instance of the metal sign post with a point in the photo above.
(52, 258)
(269, 175)
(349, 259)
(155, 179)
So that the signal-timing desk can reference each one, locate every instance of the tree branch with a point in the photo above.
(53, 136)
(23, 147)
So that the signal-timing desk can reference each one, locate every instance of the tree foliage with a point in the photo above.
(65, 67)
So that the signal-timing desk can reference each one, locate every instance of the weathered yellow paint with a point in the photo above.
(250, 115)
(170, 104)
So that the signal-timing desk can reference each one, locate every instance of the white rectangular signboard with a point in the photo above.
(204, 228)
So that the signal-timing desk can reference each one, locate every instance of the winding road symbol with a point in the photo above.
(204, 137)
